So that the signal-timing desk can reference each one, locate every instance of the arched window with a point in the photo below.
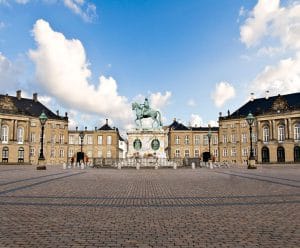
(5, 154)
(20, 135)
(297, 132)
(281, 133)
(21, 154)
(4, 134)
(266, 134)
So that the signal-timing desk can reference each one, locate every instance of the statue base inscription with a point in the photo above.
(146, 143)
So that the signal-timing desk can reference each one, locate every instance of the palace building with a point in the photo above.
(21, 131)
(276, 131)
(103, 143)
(192, 142)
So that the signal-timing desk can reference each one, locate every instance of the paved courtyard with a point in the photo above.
(149, 208)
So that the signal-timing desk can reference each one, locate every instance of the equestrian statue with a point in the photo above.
(144, 111)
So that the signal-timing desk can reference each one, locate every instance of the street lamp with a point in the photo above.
(43, 118)
(250, 120)
(81, 135)
(209, 137)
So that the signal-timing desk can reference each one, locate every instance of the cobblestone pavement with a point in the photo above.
(232, 207)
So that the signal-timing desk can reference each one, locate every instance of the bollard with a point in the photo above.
(175, 166)
(137, 166)
(193, 166)
(82, 166)
(211, 165)
(64, 166)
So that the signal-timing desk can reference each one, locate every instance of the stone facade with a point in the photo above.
(192, 142)
(104, 142)
(276, 131)
(21, 129)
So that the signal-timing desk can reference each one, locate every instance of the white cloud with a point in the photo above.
(213, 123)
(271, 24)
(159, 100)
(82, 8)
(9, 73)
(223, 92)
(196, 120)
(62, 69)
(269, 19)
(282, 78)
(22, 1)
(191, 103)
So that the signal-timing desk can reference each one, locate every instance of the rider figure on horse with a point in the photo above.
(146, 107)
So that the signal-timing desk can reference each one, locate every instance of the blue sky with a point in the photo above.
(193, 59)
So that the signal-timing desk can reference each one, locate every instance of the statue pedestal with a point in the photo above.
(146, 143)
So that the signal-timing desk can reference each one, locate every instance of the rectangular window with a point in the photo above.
(32, 137)
(177, 140)
(186, 153)
(187, 140)
(108, 154)
(61, 138)
(196, 154)
(100, 139)
(90, 139)
(71, 139)
(177, 153)
(99, 154)
(297, 132)
(225, 153)
(254, 137)
(244, 138)
(90, 154)
(215, 152)
(233, 152)
(224, 138)
(20, 135)
(61, 153)
(233, 138)
(71, 153)
(197, 139)
(245, 152)
(205, 140)
(108, 140)
(215, 139)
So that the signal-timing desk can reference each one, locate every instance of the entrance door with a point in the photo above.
(280, 154)
(265, 155)
(205, 156)
(297, 154)
(80, 157)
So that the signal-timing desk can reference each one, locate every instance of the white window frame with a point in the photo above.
(266, 134)
(177, 140)
(281, 133)
(186, 139)
(4, 134)
(197, 139)
(108, 140)
(100, 139)
(177, 153)
(297, 132)
(20, 135)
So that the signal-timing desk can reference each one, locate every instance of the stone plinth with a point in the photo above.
(146, 143)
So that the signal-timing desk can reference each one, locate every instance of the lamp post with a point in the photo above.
(43, 118)
(250, 120)
(81, 135)
(209, 138)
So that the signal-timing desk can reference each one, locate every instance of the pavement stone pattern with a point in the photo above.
(228, 207)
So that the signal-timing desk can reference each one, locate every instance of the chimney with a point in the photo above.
(252, 97)
(106, 121)
(35, 97)
(66, 114)
(19, 94)
(228, 112)
(95, 128)
(76, 129)
(57, 112)
(85, 128)
(220, 114)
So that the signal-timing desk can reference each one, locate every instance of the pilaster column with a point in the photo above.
(273, 129)
(0, 129)
(290, 128)
(286, 129)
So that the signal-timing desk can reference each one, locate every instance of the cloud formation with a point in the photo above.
(83, 8)
(196, 120)
(270, 23)
(9, 73)
(224, 91)
(62, 70)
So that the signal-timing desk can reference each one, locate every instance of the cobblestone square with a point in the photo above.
(232, 207)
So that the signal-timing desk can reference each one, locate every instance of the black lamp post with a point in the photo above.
(250, 120)
(81, 157)
(209, 138)
(43, 118)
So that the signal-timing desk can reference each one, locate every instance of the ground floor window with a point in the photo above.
(5, 154)
(21, 154)
(265, 154)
